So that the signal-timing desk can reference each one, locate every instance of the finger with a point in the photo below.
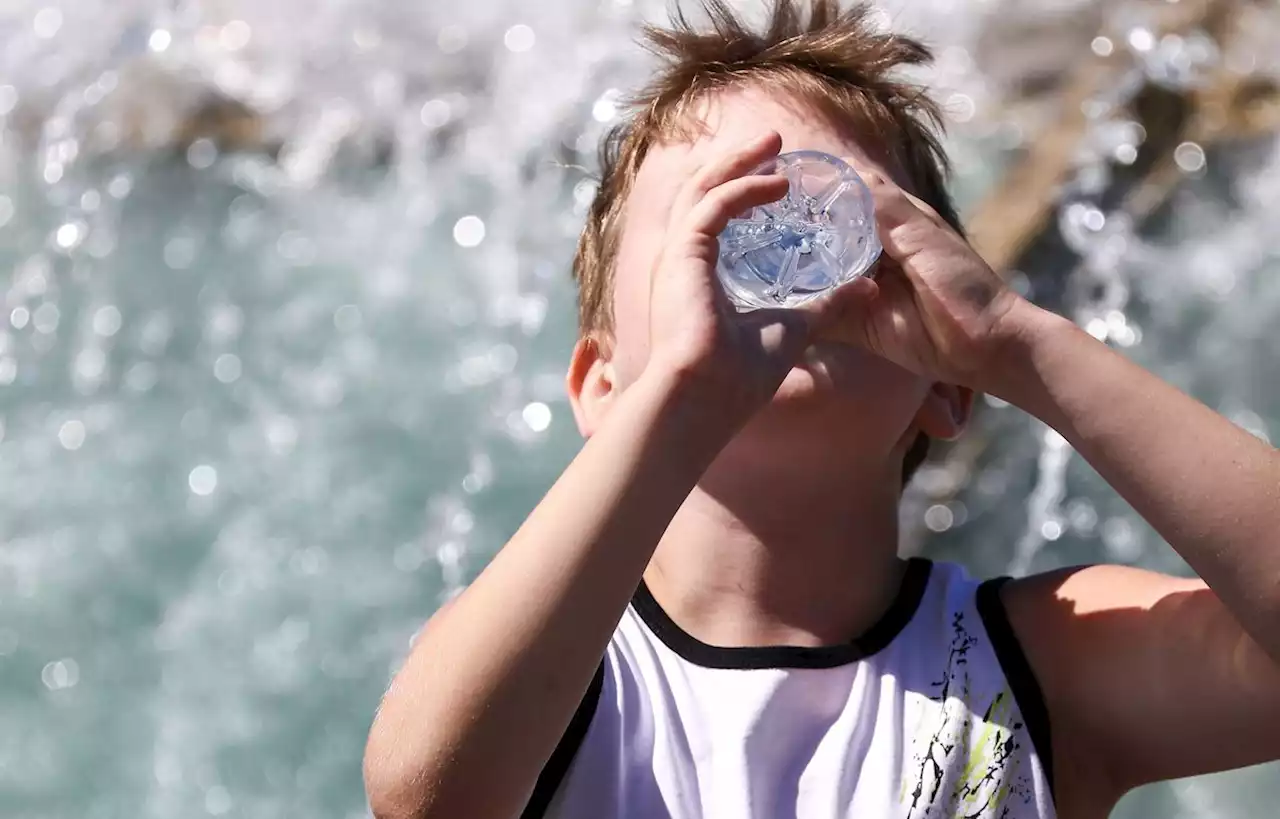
(842, 315)
(712, 214)
(731, 164)
(906, 225)
(895, 206)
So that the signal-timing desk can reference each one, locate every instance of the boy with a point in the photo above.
(706, 616)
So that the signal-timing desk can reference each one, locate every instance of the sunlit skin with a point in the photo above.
(791, 536)
(748, 467)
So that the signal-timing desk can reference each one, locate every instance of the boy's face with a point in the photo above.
(842, 391)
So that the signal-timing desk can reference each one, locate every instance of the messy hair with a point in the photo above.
(838, 61)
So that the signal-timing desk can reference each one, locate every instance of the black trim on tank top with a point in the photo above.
(890, 624)
(557, 767)
(1017, 672)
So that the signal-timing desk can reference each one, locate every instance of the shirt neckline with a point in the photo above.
(914, 581)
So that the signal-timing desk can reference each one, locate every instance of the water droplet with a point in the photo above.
(159, 40)
(202, 154)
(235, 35)
(229, 583)
(203, 480)
(60, 674)
(120, 186)
(1250, 422)
(71, 435)
(584, 193)
(1051, 530)
(481, 474)
(452, 39)
(605, 109)
(227, 368)
(366, 38)
(225, 323)
(282, 434)
(1102, 46)
(107, 321)
(537, 416)
(217, 801)
(1082, 516)
(408, 557)
(46, 317)
(47, 22)
(435, 114)
(1181, 62)
(1189, 156)
(519, 38)
(469, 231)
(180, 253)
(347, 318)
(156, 333)
(961, 107)
(69, 235)
(296, 248)
(1141, 39)
(461, 521)
(141, 377)
(19, 317)
(939, 518)
(90, 364)
(1122, 539)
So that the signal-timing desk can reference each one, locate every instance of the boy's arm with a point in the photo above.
(1208, 487)
(493, 681)
(1146, 677)
(1153, 677)
(494, 678)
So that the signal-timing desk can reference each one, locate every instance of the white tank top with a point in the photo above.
(934, 712)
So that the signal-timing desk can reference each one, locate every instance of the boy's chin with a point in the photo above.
(836, 373)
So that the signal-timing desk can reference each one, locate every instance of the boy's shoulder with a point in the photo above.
(1084, 629)
(1087, 608)
(1146, 677)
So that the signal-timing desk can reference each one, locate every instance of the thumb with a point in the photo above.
(842, 314)
(782, 332)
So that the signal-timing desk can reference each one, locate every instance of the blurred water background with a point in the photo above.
(286, 314)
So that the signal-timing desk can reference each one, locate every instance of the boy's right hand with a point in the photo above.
(734, 360)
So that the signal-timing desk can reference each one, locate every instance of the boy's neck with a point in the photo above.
(756, 563)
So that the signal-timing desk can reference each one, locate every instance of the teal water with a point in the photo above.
(264, 409)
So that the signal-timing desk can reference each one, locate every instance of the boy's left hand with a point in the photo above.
(937, 308)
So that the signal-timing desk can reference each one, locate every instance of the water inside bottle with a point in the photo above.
(820, 235)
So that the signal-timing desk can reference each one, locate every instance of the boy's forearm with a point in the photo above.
(492, 683)
(1208, 487)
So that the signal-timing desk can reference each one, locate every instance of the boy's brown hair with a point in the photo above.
(835, 60)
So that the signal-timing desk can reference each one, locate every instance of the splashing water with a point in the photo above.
(282, 342)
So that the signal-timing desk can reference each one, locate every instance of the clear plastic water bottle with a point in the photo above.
(819, 236)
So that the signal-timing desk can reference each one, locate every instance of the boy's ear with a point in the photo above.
(592, 384)
(945, 412)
